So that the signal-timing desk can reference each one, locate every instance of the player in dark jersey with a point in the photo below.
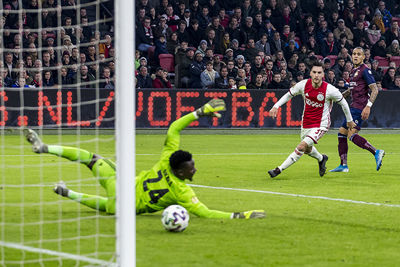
(361, 81)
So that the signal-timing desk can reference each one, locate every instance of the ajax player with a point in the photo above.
(318, 98)
(157, 188)
(361, 80)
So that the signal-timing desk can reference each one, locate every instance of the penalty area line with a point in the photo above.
(299, 195)
(56, 253)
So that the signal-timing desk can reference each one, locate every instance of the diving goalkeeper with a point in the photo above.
(157, 188)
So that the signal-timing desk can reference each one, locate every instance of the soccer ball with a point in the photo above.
(175, 218)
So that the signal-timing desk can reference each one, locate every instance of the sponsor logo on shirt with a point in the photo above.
(313, 103)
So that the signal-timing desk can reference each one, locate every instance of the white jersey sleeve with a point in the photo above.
(333, 94)
(295, 90)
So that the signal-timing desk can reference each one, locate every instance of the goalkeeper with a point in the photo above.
(157, 188)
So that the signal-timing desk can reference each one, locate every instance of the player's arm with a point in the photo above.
(188, 199)
(172, 141)
(369, 78)
(346, 93)
(295, 90)
(336, 96)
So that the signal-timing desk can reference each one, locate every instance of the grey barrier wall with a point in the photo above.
(157, 108)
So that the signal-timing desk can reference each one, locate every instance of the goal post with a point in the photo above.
(125, 133)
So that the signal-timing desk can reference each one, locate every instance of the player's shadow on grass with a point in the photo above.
(338, 223)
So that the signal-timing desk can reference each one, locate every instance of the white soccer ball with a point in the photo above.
(175, 218)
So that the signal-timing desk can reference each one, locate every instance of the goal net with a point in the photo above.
(57, 77)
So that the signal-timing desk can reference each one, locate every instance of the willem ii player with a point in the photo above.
(361, 80)
(157, 188)
(318, 98)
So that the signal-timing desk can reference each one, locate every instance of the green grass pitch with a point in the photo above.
(298, 230)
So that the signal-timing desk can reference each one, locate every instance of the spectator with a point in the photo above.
(108, 81)
(161, 80)
(218, 31)
(173, 43)
(37, 80)
(105, 46)
(224, 43)
(379, 48)
(235, 48)
(228, 55)
(374, 34)
(393, 49)
(222, 81)
(240, 61)
(250, 52)
(376, 71)
(161, 48)
(209, 55)
(241, 77)
(162, 28)
(208, 76)
(48, 80)
(331, 77)
(394, 33)
(204, 19)
(65, 78)
(342, 29)
(276, 82)
(232, 83)
(196, 68)
(360, 34)
(329, 46)
(87, 79)
(217, 63)
(378, 21)
(257, 83)
(172, 19)
(276, 43)
(144, 35)
(268, 29)
(396, 85)
(21, 83)
(388, 78)
(386, 16)
(223, 18)
(182, 33)
(249, 30)
(187, 17)
(195, 33)
(322, 32)
(211, 41)
(263, 45)
(235, 32)
(232, 70)
(6, 78)
(9, 63)
(202, 47)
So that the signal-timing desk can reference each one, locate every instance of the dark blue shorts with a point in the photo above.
(356, 114)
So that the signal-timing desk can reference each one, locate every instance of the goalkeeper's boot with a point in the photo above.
(322, 165)
(340, 168)
(254, 214)
(37, 145)
(275, 172)
(61, 189)
(379, 154)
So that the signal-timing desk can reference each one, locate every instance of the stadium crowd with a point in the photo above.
(48, 44)
(254, 44)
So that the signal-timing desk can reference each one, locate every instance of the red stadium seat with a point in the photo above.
(220, 56)
(395, 59)
(319, 57)
(167, 62)
(383, 61)
(332, 58)
(396, 19)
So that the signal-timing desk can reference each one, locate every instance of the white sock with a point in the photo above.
(315, 154)
(295, 156)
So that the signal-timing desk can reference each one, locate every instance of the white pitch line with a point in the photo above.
(299, 195)
(56, 253)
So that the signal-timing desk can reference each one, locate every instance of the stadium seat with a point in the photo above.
(332, 58)
(167, 62)
(396, 19)
(395, 59)
(383, 61)
(319, 57)
(220, 56)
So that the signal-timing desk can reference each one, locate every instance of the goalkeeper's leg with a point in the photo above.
(102, 168)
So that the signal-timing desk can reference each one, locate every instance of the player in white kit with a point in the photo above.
(318, 99)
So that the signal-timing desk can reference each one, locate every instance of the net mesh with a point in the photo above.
(57, 68)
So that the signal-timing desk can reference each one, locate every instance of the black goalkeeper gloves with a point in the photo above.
(211, 108)
(251, 214)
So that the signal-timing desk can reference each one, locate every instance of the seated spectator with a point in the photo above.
(217, 63)
(105, 46)
(37, 80)
(108, 81)
(143, 78)
(161, 80)
(240, 61)
(195, 33)
(232, 83)
(144, 35)
(276, 82)
(161, 48)
(196, 68)
(65, 78)
(329, 46)
(21, 83)
(235, 48)
(225, 43)
(208, 76)
(7, 81)
(182, 34)
(393, 49)
(388, 78)
(379, 48)
(257, 83)
(209, 56)
(229, 55)
(250, 52)
(183, 69)
(263, 45)
(331, 77)
(87, 79)
(162, 28)
(396, 85)
(386, 16)
(376, 71)
(222, 81)
(173, 44)
(48, 80)
(202, 47)
(311, 45)
(241, 77)
(377, 20)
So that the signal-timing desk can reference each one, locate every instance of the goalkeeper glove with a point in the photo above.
(251, 214)
(211, 108)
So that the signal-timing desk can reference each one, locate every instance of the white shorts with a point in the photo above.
(312, 135)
